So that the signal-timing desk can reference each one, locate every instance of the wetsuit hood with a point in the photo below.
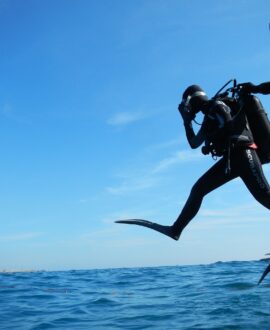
(195, 98)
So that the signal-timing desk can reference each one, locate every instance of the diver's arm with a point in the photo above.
(194, 140)
(263, 88)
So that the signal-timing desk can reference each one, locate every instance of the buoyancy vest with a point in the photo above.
(224, 127)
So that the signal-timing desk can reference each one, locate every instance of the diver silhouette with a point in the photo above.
(236, 129)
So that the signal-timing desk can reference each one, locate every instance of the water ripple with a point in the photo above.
(216, 296)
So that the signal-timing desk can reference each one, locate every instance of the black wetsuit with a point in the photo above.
(244, 163)
(226, 134)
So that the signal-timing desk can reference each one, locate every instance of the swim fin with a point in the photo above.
(267, 270)
(166, 230)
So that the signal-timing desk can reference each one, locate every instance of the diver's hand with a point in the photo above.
(186, 115)
(247, 87)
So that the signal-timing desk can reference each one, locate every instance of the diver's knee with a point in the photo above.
(265, 200)
(197, 191)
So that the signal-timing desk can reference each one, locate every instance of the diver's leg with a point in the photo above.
(251, 173)
(255, 180)
(212, 179)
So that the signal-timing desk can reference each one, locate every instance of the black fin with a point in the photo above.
(165, 230)
(267, 270)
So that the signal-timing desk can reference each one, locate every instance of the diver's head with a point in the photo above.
(194, 99)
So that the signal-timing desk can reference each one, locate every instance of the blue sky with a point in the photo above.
(90, 131)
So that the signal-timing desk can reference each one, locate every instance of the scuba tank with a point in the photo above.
(257, 118)
(258, 123)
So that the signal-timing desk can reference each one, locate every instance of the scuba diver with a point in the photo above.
(237, 130)
(234, 128)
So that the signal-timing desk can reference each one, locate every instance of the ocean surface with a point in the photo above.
(223, 295)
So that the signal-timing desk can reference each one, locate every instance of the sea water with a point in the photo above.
(216, 296)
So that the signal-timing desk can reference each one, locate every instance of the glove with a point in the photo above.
(185, 113)
(247, 87)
